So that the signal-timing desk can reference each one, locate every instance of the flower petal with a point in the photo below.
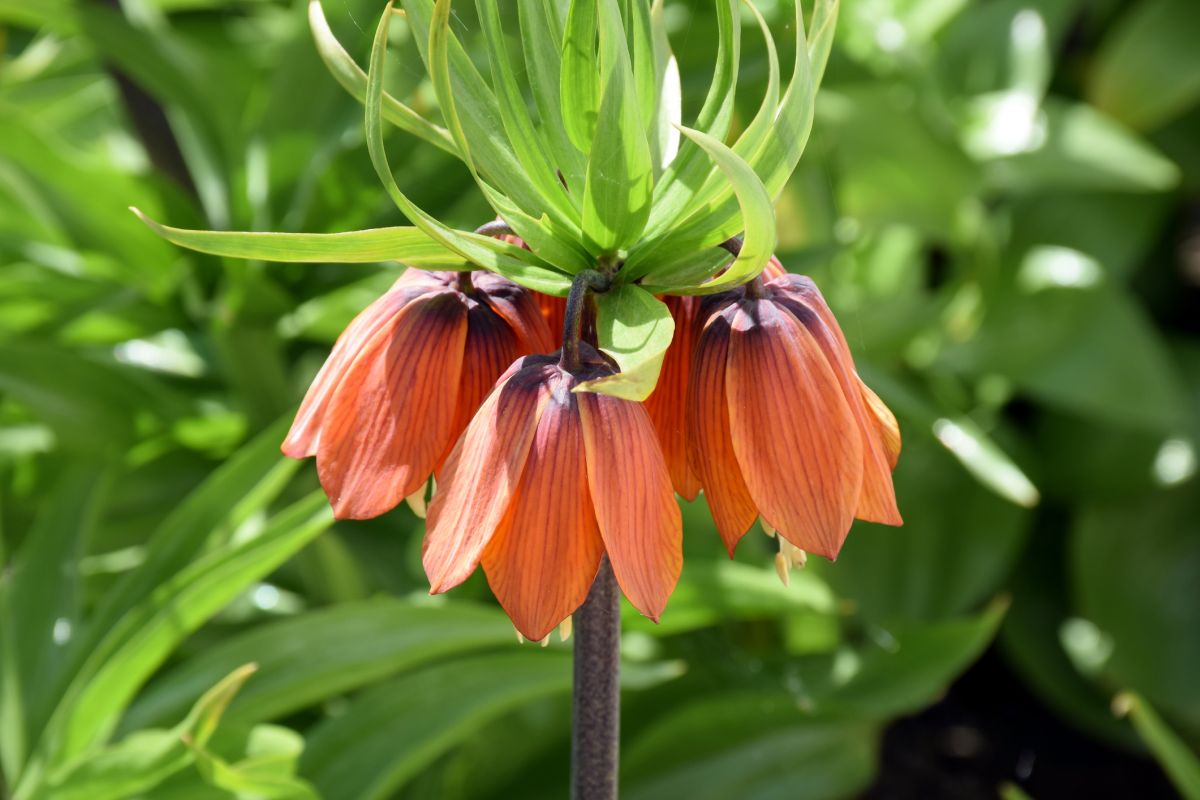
(480, 477)
(518, 307)
(390, 416)
(886, 427)
(543, 558)
(877, 501)
(794, 434)
(301, 440)
(491, 347)
(667, 404)
(635, 506)
(710, 440)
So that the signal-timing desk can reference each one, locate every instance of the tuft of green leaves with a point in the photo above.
(594, 168)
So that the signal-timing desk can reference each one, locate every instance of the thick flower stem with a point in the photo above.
(596, 706)
(584, 283)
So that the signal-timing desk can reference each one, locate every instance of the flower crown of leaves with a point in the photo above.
(605, 176)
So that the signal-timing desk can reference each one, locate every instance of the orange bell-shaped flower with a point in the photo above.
(779, 423)
(404, 379)
(542, 484)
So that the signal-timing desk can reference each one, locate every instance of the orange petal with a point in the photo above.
(794, 434)
(491, 347)
(389, 419)
(666, 405)
(301, 440)
(554, 311)
(480, 477)
(885, 423)
(518, 307)
(877, 501)
(710, 440)
(773, 269)
(635, 506)
(543, 558)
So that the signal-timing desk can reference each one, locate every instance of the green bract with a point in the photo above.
(583, 159)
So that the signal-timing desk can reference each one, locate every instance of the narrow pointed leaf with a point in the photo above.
(351, 78)
(508, 260)
(580, 82)
(409, 246)
(526, 143)
(541, 38)
(758, 217)
(616, 198)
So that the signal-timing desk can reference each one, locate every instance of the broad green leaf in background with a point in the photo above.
(1180, 762)
(752, 745)
(146, 758)
(131, 651)
(325, 653)
(387, 735)
(1133, 572)
(1144, 73)
(635, 329)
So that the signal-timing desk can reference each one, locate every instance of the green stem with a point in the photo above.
(587, 281)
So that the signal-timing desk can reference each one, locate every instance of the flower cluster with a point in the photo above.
(450, 375)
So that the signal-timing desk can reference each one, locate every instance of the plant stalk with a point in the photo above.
(596, 696)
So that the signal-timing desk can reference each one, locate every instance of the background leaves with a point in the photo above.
(999, 201)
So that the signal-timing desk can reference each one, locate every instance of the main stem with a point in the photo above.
(596, 699)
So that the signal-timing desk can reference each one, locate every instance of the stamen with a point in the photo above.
(564, 629)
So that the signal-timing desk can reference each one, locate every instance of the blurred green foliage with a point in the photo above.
(1002, 202)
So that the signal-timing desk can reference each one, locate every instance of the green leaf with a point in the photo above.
(579, 83)
(541, 38)
(715, 591)
(1133, 568)
(144, 759)
(758, 217)
(266, 772)
(635, 329)
(322, 654)
(245, 485)
(473, 115)
(45, 585)
(668, 111)
(514, 113)
(391, 733)
(620, 174)
(130, 652)
(689, 169)
(907, 666)
(406, 245)
(748, 744)
(354, 80)
(1145, 72)
(1176, 758)
(508, 260)
(961, 541)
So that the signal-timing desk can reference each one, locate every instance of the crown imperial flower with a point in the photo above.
(780, 425)
(545, 482)
(404, 379)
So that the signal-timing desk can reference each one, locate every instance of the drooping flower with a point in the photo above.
(543, 483)
(667, 404)
(779, 423)
(403, 380)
